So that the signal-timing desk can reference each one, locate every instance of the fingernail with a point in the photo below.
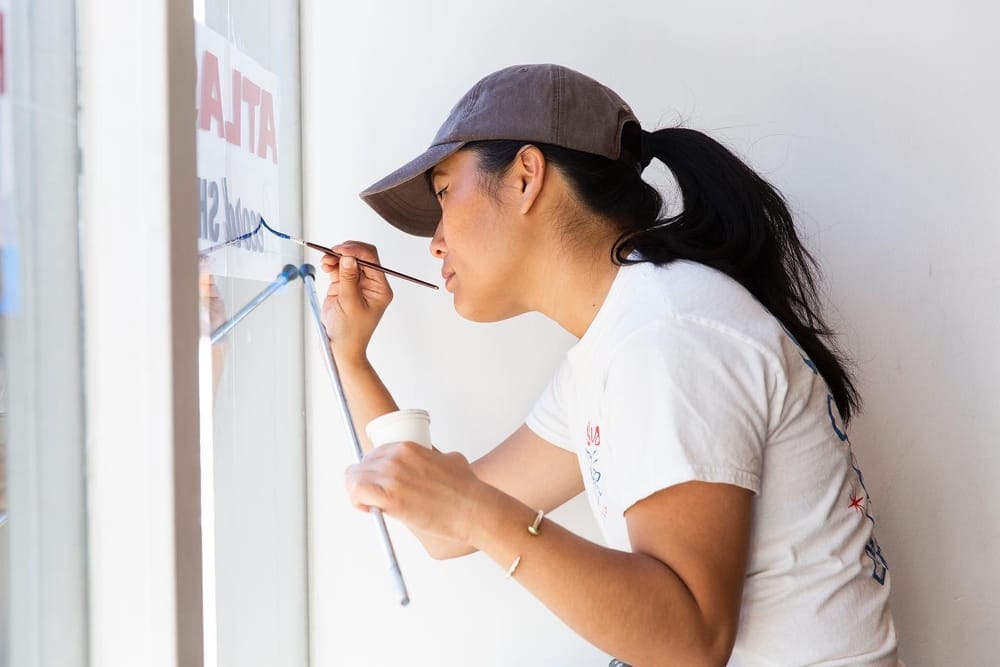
(347, 262)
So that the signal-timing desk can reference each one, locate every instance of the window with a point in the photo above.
(253, 482)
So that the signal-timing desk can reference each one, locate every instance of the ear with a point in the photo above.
(529, 170)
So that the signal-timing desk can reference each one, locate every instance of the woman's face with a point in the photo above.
(478, 240)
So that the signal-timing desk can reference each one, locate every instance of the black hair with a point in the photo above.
(732, 220)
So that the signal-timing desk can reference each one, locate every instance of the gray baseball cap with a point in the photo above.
(547, 104)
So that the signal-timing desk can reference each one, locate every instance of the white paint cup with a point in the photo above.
(400, 426)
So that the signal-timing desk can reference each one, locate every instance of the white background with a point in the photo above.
(878, 121)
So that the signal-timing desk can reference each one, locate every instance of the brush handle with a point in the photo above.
(370, 265)
(331, 251)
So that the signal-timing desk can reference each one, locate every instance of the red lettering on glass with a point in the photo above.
(262, 132)
(267, 130)
(251, 93)
(210, 99)
(234, 126)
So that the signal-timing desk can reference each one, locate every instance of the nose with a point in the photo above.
(438, 248)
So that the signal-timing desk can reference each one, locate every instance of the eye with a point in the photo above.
(440, 193)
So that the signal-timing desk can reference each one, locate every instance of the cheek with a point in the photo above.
(479, 243)
(470, 230)
(484, 290)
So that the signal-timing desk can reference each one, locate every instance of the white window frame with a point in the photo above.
(139, 261)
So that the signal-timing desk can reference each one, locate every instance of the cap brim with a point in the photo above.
(404, 199)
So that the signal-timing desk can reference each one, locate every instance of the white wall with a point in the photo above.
(877, 121)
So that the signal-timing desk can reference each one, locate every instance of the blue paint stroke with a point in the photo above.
(242, 237)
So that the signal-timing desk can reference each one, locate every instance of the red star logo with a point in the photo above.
(857, 501)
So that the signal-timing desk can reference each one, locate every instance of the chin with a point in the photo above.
(483, 313)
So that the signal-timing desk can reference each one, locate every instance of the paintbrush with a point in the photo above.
(331, 251)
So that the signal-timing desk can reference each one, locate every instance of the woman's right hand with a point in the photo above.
(355, 301)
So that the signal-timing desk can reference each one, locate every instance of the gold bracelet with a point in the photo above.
(513, 566)
(533, 529)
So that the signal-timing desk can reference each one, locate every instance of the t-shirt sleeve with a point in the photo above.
(686, 401)
(548, 416)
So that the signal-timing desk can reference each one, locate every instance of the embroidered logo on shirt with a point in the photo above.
(872, 548)
(592, 450)
(859, 501)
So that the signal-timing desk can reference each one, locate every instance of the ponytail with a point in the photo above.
(732, 220)
(735, 221)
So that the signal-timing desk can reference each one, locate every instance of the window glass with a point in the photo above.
(42, 493)
(253, 487)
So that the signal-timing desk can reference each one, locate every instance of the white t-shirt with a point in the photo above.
(684, 376)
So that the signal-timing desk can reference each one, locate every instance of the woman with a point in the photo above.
(703, 409)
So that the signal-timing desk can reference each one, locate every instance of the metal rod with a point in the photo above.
(308, 273)
(288, 273)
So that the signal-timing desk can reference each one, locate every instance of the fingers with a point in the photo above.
(457, 456)
(209, 293)
(349, 289)
(366, 485)
(368, 278)
(363, 251)
(353, 287)
(329, 263)
(419, 486)
(364, 492)
(388, 466)
(206, 286)
(395, 453)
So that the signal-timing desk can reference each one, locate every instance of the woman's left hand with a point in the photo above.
(211, 299)
(422, 487)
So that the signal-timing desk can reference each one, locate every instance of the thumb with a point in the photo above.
(350, 291)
